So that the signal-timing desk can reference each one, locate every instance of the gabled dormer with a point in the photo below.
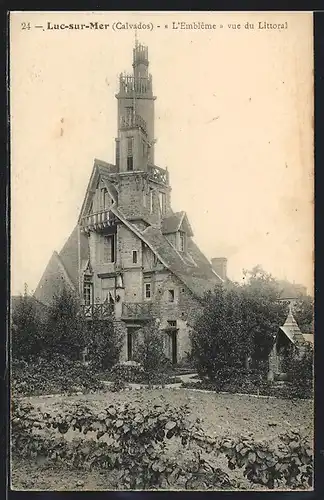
(101, 196)
(177, 229)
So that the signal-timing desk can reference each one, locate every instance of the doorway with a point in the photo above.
(174, 347)
(131, 341)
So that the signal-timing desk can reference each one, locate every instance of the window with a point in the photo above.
(105, 199)
(182, 242)
(130, 165)
(151, 200)
(147, 289)
(109, 248)
(129, 146)
(172, 323)
(171, 295)
(162, 200)
(134, 257)
(87, 292)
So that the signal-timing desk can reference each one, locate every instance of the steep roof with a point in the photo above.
(69, 255)
(292, 330)
(54, 279)
(196, 272)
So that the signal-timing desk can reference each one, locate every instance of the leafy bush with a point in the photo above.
(237, 324)
(299, 370)
(133, 372)
(66, 330)
(26, 327)
(129, 371)
(57, 375)
(138, 437)
(104, 344)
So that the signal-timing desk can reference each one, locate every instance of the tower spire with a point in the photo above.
(134, 79)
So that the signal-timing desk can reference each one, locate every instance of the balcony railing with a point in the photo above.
(137, 310)
(98, 220)
(158, 174)
(133, 121)
(98, 311)
(139, 85)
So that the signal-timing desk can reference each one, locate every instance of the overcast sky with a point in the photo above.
(233, 121)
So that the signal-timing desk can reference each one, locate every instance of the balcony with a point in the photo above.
(137, 310)
(98, 311)
(133, 121)
(128, 85)
(158, 174)
(97, 221)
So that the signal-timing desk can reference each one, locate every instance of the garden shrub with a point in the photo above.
(139, 434)
(300, 374)
(48, 376)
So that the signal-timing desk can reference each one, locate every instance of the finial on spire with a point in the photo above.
(136, 40)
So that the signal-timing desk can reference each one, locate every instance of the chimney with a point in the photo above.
(219, 265)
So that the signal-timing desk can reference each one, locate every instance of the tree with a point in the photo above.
(218, 345)
(237, 325)
(303, 310)
(263, 312)
(66, 328)
(105, 343)
(149, 351)
(26, 328)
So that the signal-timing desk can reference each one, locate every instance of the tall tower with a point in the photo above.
(135, 140)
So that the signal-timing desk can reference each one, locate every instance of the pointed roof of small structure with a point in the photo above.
(291, 329)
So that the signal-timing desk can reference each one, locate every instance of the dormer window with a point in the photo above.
(182, 241)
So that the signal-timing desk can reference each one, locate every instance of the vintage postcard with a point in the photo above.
(161, 312)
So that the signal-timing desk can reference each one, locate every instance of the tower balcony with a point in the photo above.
(98, 221)
(128, 85)
(137, 311)
(133, 121)
(158, 174)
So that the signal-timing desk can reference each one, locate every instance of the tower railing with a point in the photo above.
(130, 84)
(133, 121)
(158, 174)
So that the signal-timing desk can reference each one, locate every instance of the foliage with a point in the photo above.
(299, 370)
(150, 354)
(303, 310)
(26, 331)
(236, 328)
(50, 376)
(138, 437)
(133, 372)
(105, 343)
(66, 327)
